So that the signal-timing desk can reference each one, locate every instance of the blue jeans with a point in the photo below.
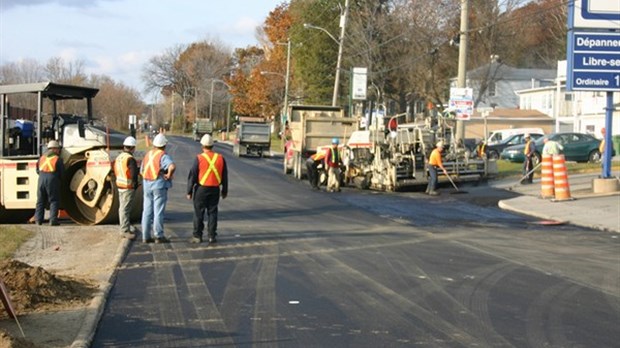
(432, 180)
(153, 212)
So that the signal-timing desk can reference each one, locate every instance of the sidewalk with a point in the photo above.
(597, 211)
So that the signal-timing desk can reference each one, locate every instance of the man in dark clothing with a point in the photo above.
(50, 169)
(312, 164)
(529, 152)
(207, 175)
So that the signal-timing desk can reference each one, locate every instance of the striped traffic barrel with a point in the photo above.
(547, 189)
(560, 179)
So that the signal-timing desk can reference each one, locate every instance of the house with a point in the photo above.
(481, 124)
(577, 111)
(495, 84)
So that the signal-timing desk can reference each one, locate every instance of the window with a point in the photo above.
(491, 89)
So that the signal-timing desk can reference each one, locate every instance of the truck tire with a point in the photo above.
(285, 166)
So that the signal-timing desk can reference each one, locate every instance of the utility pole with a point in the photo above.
(288, 73)
(461, 78)
(343, 23)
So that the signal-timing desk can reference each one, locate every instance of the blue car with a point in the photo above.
(578, 147)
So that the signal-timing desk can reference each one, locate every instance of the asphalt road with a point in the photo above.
(299, 268)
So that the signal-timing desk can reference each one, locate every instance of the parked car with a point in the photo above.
(493, 150)
(578, 147)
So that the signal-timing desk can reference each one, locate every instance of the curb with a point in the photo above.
(94, 312)
(505, 206)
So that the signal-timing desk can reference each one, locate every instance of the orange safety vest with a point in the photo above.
(435, 159)
(334, 157)
(481, 149)
(526, 150)
(121, 171)
(210, 169)
(318, 156)
(47, 163)
(152, 164)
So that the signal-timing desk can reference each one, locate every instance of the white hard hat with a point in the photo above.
(130, 142)
(160, 140)
(53, 144)
(440, 144)
(206, 140)
(526, 135)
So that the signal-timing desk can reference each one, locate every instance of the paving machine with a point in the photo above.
(395, 156)
(40, 112)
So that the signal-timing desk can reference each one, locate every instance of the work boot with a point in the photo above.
(212, 240)
(54, 223)
(195, 240)
(129, 235)
(433, 193)
(148, 240)
(162, 240)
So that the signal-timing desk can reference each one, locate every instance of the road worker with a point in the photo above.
(206, 182)
(552, 147)
(481, 149)
(312, 166)
(126, 173)
(50, 168)
(435, 162)
(157, 172)
(529, 151)
(333, 163)
(601, 146)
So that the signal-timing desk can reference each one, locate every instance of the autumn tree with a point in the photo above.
(248, 97)
(189, 71)
(115, 102)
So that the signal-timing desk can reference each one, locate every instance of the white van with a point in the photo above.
(501, 134)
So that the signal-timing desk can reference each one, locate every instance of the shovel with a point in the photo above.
(455, 187)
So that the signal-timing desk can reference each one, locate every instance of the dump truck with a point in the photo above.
(52, 111)
(392, 158)
(253, 137)
(310, 128)
(201, 127)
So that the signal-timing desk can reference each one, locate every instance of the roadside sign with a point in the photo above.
(594, 61)
(360, 77)
(462, 102)
(594, 14)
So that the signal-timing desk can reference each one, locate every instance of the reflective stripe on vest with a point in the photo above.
(601, 147)
(152, 160)
(210, 169)
(121, 170)
(527, 147)
(47, 163)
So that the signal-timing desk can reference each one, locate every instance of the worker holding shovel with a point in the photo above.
(434, 162)
(529, 152)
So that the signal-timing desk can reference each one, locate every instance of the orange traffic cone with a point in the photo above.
(546, 180)
(560, 179)
(147, 140)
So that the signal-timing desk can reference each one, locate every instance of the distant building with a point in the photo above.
(573, 111)
(495, 84)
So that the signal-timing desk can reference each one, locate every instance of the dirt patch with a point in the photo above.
(34, 289)
(56, 280)
(6, 341)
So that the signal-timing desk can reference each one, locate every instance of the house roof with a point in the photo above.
(502, 71)
(513, 114)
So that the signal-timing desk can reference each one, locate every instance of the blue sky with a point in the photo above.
(117, 37)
